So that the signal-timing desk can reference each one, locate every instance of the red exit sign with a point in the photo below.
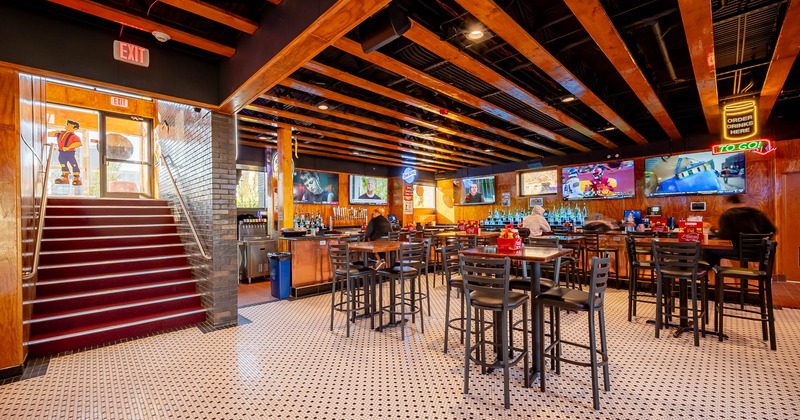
(132, 54)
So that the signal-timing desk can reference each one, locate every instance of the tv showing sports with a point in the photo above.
(701, 173)
(315, 187)
(469, 191)
(369, 190)
(539, 182)
(604, 180)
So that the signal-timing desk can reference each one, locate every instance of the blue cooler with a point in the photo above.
(280, 274)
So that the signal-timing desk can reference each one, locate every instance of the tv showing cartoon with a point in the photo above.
(700, 173)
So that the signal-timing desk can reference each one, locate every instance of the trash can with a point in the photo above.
(280, 274)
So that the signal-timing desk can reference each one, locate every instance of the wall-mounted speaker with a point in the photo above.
(382, 28)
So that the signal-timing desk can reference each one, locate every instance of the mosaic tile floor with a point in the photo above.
(287, 364)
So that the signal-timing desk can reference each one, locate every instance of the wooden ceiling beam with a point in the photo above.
(358, 147)
(425, 106)
(451, 91)
(275, 2)
(347, 100)
(351, 138)
(215, 14)
(331, 25)
(318, 151)
(374, 134)
(447, 51)
(142, 24)
(379, 124)
(596, 22)
(699, 29)
(783, 57)
(501, 24)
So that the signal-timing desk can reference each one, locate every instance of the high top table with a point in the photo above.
(536, 256)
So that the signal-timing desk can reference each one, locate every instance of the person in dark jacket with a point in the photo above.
(377, 228)
(738, 219)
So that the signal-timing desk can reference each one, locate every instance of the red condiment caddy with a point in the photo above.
(509, 239)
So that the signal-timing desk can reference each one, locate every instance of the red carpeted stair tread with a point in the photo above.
(111, 307)
(78, 243)
(88, 231)
(109, 220)
(137, 273)
(109, 202)
(106, 210)
(128, 322)
(109, 291)
(75, 256)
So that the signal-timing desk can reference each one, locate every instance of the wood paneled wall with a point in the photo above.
(764, 192)
(395, 201)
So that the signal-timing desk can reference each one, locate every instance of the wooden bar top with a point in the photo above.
(482, 234)
(719, 244)
(527, 253)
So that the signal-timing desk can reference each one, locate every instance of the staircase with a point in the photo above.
(109, 269)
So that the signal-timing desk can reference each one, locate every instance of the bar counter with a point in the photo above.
(311, 266)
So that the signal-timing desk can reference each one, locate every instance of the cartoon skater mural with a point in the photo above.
(68, 143)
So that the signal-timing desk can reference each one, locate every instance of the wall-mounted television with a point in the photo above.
(478, 190)
(315, 187)
(598, 181)
(538, 182)
(700, 173)
(369, 190)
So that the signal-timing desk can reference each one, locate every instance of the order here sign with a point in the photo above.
(132, 54)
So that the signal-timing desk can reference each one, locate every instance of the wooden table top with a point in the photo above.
(527, 253)
(381, 245)
(482, 234)
(719, 244)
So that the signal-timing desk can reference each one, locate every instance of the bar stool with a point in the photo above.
(450, 266)
(351, 281)
(593, 246)
(577, 300)
(679, 261)
(750, 250)
(763, 275)
(408, 267)
(426, 250)
(485, 282)
(638, 263)
(467, 241)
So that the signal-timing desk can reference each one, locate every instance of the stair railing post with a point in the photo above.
(185, 210)
(42, 210)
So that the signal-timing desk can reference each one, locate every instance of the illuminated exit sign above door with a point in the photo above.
(131, 54)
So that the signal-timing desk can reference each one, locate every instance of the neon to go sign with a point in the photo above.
(762, 146)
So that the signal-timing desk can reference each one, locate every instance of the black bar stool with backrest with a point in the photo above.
(450, 268)
(679, 261)
(426, 249)
(640, 262)
(485, 282)
(577, 300)
(436, 249)
(750, 250)
(593, 246)
(408, 267)
(467, 241)
(351, 280)
(762, 275)
(550, 279)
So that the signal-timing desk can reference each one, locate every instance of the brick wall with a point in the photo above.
(200, 149)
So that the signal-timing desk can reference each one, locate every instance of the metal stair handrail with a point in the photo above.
(40, 225)
(183, 206)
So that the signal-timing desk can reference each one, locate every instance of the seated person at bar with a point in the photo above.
(536, 222)
(473, 196)
(735, 220)
(377, 228)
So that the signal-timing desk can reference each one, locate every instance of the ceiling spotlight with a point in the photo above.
(323, 107)
(567, 99)
(609, 128)
(354, 152)
(475, 34)
(262, 136)
(161, 36)
(488, 150)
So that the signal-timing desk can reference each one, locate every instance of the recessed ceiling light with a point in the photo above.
(475, 34)
(323, 107)
(568, 98)
(161, 36)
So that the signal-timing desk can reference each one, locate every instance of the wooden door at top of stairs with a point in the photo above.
(789, 248)
(126, 150)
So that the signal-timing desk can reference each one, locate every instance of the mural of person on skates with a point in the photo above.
(68, 143)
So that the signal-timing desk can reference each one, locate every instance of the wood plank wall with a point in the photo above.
(326, 210)
(11, 338)
(764, 192)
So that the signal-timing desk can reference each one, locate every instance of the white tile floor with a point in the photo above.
(287, 364)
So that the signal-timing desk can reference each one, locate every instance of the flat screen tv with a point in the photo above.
(478, 190)
(369, 190)
(539, 182)
(700, 173)
(315, 187)
(604, 180)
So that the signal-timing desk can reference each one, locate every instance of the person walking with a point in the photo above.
(738, 219)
